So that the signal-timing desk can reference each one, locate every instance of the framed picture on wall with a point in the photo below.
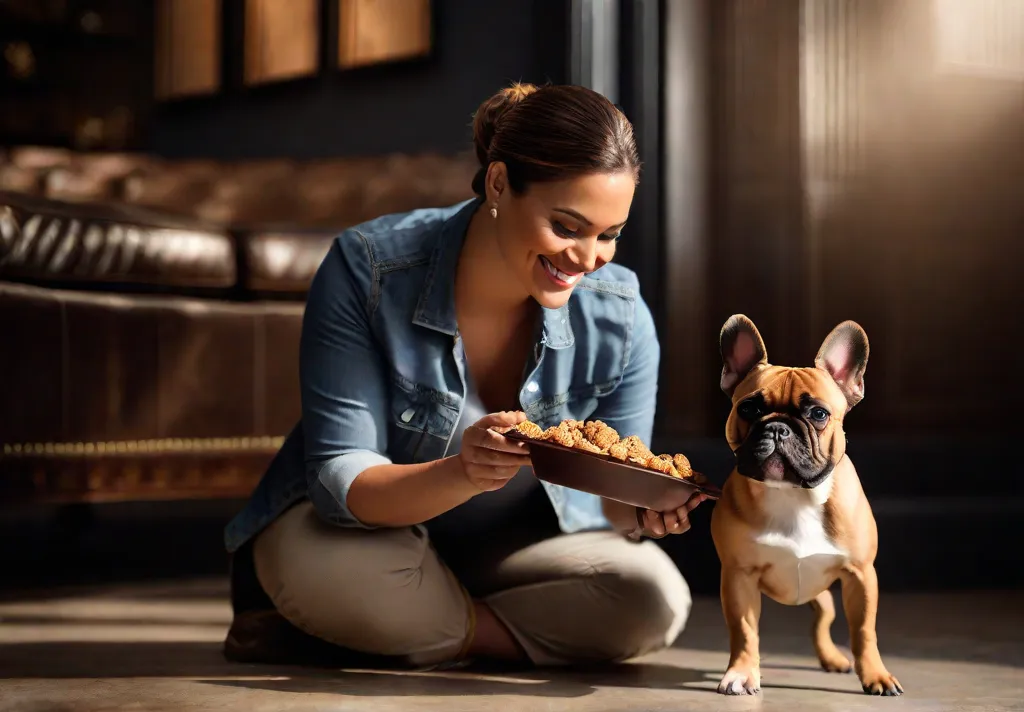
(383, 31)
(187, 48)
(282, 40)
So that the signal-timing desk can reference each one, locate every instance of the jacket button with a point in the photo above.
(407, 415)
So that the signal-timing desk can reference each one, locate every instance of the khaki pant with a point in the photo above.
(588, 597)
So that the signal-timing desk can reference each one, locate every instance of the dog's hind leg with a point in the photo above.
(821, 633)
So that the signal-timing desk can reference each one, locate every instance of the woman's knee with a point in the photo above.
(613, 600)
(646, 598)
(651, 607)
(383, 591)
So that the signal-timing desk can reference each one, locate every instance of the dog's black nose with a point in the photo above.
(777, 430)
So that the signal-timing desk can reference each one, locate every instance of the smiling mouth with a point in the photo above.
(562, 279)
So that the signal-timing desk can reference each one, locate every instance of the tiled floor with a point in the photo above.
(157, 647)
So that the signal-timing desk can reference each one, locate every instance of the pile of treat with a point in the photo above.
(599, 438)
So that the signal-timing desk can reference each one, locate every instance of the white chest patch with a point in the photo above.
(800, 561)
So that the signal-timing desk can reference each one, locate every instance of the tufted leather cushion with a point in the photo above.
(329, 194)
(53, 241)
(284, 262)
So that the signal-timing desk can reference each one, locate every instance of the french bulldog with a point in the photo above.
(793, 518)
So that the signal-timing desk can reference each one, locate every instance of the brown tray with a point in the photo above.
(605, 476)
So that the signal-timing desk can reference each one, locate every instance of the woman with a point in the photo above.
(395, 521)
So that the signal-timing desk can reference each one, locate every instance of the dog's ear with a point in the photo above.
(742, 350)
(844, 355)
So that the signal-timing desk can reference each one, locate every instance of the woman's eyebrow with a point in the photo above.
(572, 213)
(583, 219)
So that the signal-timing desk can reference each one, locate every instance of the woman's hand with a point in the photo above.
(658, 524)
(488, 459)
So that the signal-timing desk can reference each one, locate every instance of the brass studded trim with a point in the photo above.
(143, 447)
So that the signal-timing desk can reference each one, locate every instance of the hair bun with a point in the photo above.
(485, 121)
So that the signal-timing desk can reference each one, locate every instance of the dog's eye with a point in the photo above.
(818, 414)
(749, 410)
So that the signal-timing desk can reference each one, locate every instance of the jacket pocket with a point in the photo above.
(420, 426)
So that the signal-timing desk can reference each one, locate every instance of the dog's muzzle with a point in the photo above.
(771, 437)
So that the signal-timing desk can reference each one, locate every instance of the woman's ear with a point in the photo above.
(496, 182)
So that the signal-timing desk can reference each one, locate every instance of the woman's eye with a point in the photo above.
(563, 230)
(819, 414)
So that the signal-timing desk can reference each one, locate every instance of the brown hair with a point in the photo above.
(551, 133)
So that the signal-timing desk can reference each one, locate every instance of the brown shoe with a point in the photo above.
(260, 634)
(266, 637)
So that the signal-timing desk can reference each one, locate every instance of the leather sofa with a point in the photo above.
(151, 311)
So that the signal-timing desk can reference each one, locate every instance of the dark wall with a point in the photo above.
(413, 106)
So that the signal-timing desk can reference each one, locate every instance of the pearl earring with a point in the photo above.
(494, 213)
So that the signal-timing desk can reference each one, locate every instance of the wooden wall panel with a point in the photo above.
(834, 56)
(865, 167)
(188, 48)
(912, 196)
(757, 252)
(375, 31)
(282, 39)
(833, 35)
(689, 353)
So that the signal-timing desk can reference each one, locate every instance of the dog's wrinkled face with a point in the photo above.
(786, 425)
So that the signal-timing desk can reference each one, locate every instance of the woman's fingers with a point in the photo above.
(658, 524)
(654, 523)
(494, 441)
(671, 521)
(496, 458)
(679, 521)
(691, 504)
(503, 419)
(488, 448)
(488, 458)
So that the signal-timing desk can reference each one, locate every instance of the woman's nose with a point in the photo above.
(585, 254)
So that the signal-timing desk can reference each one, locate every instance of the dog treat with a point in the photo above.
(632, 449)
(530, 430)
(602, 435)
(600, 438)
(565, 433)
(682, 465)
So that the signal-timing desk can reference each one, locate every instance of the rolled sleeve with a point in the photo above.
(343, 380)
(328, 489)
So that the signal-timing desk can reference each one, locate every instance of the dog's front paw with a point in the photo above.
(740, 680)
(881, 682)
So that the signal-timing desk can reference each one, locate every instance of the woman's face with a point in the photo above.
(555, 233)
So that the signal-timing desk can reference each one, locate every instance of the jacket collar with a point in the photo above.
(436, 307)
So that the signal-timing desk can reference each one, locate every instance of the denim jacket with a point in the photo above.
(380, 381)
